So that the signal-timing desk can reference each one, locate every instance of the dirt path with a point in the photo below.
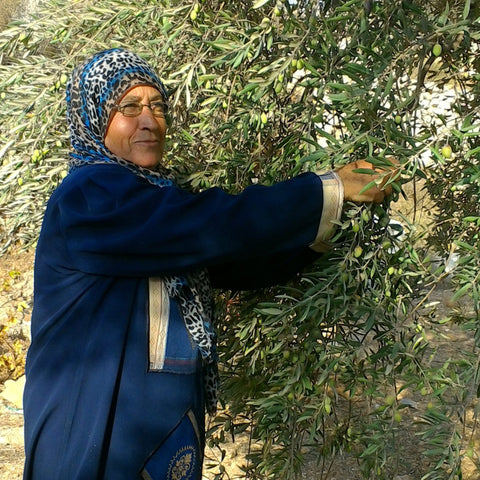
(11, 443)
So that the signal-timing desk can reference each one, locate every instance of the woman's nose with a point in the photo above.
(146, 118)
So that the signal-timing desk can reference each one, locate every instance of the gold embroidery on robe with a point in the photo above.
(182, 465)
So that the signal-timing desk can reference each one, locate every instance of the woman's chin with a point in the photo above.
(150, 163)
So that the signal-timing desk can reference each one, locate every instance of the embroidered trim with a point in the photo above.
(193, 419)
(159, 310)
(332, 210)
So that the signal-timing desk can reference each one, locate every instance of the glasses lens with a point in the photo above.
(131, 109)
(158, 109)
(134, 109)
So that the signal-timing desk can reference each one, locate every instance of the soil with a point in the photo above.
(11, 443)
(16, 282)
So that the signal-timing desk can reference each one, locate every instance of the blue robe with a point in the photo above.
(94, 409)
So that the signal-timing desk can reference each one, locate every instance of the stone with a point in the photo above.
(13, 392)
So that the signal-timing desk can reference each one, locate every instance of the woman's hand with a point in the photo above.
(355, 182)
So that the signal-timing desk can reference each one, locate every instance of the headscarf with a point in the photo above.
(92, 92)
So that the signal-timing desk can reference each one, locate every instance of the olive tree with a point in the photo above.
(261, 91)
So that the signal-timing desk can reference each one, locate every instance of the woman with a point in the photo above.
(122, 362)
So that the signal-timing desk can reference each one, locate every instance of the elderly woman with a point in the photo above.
(122, 362)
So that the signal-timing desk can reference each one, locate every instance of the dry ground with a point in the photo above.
(16, 273)
(7, 8)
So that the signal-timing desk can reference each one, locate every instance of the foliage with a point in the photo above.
(12, 340)
(261, 91)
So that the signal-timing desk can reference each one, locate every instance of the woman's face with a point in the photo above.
(140, 139)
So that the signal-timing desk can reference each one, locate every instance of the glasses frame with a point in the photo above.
(150, 106)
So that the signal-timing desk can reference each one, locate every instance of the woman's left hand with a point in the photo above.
(355, 182)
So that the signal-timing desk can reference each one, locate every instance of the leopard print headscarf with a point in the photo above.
(94, 88)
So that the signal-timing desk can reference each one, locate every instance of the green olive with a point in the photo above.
(447, 151)
(437, 50)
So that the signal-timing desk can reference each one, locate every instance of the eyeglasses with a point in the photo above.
(134, 109)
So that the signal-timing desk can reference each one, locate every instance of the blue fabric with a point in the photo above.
(92, 408)
(117, 224)
(181, 353)
(177, 458)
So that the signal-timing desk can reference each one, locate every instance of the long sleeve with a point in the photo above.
(114, 223)
(271, 269)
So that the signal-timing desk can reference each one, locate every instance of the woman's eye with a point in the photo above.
(129, 105)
